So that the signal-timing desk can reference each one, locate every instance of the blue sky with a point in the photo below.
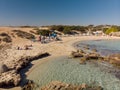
(56, 12)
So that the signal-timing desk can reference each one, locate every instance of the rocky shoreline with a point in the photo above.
(11, 59)
(10, 70)
(110, 63)
(57, 85)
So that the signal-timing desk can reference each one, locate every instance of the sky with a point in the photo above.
(59, 12)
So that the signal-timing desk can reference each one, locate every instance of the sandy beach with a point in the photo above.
(55, 48)
(64, 47)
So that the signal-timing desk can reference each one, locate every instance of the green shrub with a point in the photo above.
(43, 32)
(67, 30)
(110, 30)
(23, 34)
(4, 34)
(7, 39)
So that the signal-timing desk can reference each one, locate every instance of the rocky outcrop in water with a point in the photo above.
(56, 85)
(30, 85)
(114, 59)
(85, 56)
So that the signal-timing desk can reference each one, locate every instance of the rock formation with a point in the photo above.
(3, 68)
(12, 77)
(56, 85)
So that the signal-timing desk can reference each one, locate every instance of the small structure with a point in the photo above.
(98, 33)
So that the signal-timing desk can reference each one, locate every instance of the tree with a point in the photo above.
(67, 30)
(105, 29)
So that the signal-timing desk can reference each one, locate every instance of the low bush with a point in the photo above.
(7, 39)
(4, 34)
(23, 34)
(43, 32)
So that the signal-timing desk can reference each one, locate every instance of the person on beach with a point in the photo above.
(26, 47)
(40, 38)
(49, 37)
(19, 48)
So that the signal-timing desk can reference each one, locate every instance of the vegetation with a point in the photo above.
(69, 29)
(43, 32)
(6, 38)
(112, 29)
(4, 34)
(33, 32)
(104, 30)
(23, 34)
(28, 26)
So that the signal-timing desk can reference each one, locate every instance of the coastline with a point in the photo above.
(70, 47)
(62, 48)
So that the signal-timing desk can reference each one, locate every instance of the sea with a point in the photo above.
(69, 70)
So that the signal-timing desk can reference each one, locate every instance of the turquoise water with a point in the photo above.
(70, 71)
(103, 46)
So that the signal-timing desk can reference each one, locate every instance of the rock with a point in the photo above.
(114, 59)
(83, 60)
(86, 47)
(3, 68)
(93, 56)
(30, 85)
(115, 56)
(76, 54)
(56, 85)
(94, 50)
(81, 51)
(10, 78)
(83, 86)
(23, 61)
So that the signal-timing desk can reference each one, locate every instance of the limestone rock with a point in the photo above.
(10, 78)
(56, 85)
(76, 54)
(3, 68)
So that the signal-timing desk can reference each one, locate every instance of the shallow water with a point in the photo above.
(70, 71)
(105, 47)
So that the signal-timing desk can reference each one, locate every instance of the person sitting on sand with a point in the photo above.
(18, 48)
(26, 47)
